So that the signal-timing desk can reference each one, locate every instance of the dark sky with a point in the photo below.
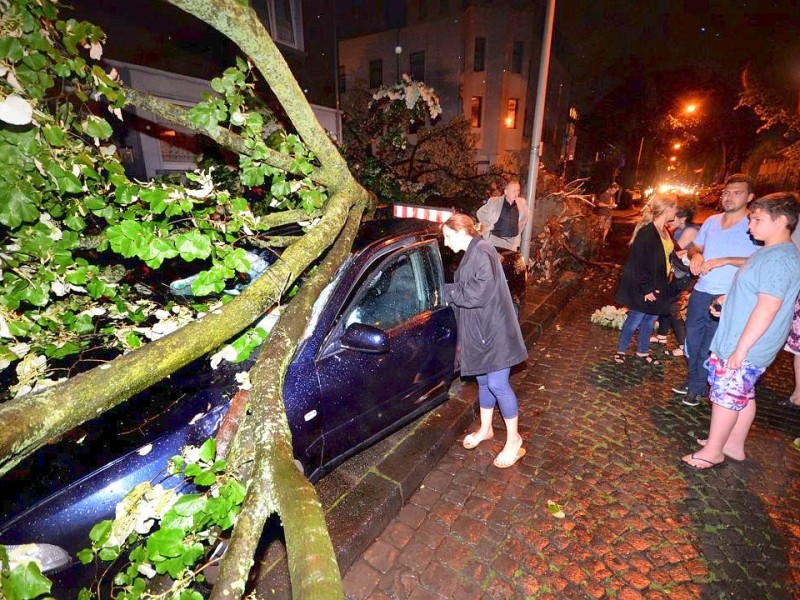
(611, 40)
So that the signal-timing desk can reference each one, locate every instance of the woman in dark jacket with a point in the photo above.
(644, 285)
(489, 337)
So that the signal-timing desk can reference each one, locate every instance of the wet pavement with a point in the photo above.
(604, 443)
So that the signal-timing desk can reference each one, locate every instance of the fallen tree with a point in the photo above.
(95, 199)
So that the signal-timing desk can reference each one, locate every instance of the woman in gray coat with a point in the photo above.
(489, 337)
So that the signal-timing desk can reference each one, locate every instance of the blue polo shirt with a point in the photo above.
(720, 243)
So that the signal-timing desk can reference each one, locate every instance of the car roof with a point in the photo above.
(381, 231)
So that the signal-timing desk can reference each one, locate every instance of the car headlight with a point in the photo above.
(50, 558)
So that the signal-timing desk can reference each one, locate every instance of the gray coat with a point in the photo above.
(489, 337)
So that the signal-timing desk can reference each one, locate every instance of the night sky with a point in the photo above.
(611, 40)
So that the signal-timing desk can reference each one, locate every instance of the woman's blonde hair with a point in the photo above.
(656, 206)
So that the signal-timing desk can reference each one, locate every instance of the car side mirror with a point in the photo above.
(365, 338)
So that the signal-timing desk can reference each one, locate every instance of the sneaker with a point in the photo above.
(681, 389)
(692, 400)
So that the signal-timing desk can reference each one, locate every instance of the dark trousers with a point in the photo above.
(700, 330)
(673, 320)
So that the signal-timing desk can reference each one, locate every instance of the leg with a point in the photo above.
(487, 401)
(795, 397)
(628, 329)
(663, 326)
(698, 323)
(643, 343)
(501, 388)
(723, 421)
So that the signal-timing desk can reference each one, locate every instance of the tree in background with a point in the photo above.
(73, 224)
(398, 148)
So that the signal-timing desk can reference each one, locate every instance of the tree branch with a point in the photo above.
(275, 484)
(180, 116)
(241, 24)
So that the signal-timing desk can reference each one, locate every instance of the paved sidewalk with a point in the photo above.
(604, 442)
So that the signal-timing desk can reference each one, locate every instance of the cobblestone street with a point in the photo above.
(604, 443)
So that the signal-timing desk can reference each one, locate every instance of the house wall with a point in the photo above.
(448, 40)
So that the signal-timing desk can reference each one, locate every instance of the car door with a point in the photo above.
(364, 393)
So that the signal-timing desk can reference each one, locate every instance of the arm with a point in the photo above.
(476, 290)
(522, 207)
(687, 237)
(715, 263)
(760, 319)
(696, 259)
(487, 216)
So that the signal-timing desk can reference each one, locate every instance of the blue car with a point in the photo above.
(381, 352)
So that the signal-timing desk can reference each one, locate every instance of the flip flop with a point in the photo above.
(702, 442)
(619, 357)
(471, 442)
(520, 453)
(647, 360)
(710, 464)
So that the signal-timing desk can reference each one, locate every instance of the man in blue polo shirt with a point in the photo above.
(720, 248)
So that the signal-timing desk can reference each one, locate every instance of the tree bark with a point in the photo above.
(275, 484)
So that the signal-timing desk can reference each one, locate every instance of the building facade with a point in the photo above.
(159, 49)
(481, 57)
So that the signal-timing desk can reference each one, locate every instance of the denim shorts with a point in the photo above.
(732, 388)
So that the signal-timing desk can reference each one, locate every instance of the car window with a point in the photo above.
(402, 287)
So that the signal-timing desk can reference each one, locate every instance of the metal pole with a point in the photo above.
(638, 160)
(538, 121)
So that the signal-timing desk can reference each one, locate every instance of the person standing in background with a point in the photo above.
(722, 246)
(606, 202)
(504, 217)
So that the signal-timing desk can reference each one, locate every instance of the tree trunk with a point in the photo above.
(276, 485)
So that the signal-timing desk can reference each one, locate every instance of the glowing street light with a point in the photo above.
(673, 158)
(691, 108)
(677, 146)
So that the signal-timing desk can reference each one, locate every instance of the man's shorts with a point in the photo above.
(732, 388)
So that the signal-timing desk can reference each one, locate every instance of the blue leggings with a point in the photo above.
(494, 388)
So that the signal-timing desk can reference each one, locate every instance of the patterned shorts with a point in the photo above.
(732, 388)
(793, 343)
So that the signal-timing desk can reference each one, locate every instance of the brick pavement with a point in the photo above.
(604, 443)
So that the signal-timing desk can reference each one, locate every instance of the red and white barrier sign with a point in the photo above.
(414, 211)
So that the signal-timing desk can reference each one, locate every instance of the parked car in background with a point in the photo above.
(381, 352)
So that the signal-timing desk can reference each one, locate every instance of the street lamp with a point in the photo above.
(691, 108)
(677, 146)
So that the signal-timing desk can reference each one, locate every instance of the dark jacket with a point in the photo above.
(645, 271)
(489, 336)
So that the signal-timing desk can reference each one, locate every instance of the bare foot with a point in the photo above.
(473, 439)
(734, 454)
(702, 462)
(510, 453)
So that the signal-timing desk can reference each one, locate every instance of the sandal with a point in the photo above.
(647, 359)
(620, 358)
(658, 339)
(675, 352)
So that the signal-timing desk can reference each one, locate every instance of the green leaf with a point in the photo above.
(16, 207)
(109, 553)
(189, 504)
(208, 282)
(100, 532)
(193, 245)
(206, 478)
(208, 450)
(555, 510)
(97, 128)
(55, 136)
(165, 543)
(85, 556)
(25, 582)
(85, 594)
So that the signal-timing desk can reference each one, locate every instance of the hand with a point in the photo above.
(695, 264)
(716, 306)
(712, 264)
(651, 297)
(736, 359)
